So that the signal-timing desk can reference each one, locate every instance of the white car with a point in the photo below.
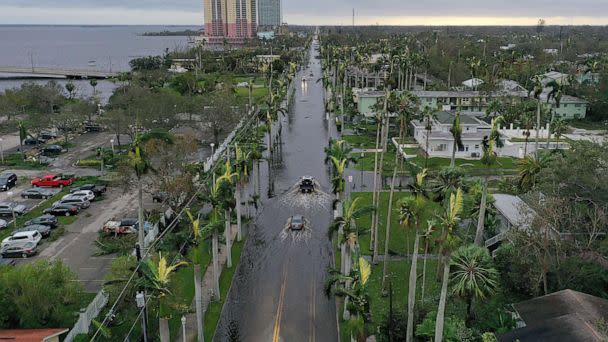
(86, 194)
(19, 239)
(3, 224)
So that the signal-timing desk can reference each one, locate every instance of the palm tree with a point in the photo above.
(556, 94)
(195, 224)
(447, 181)
(431, 227)
(559, 128)
(410, 215)
(449, 241)
(213, 228)
(353, 287)
(456, 131)
(528, 170)
(226, 201)
(93, 83)
(157, 277)
(473, 276)
(488, 159)
(242, 169)
(428, 116)
(538, 89)
(138, 161)
(346, 228)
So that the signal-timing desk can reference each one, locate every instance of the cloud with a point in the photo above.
(316, 12)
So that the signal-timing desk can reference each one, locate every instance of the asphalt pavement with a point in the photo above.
(277, 293)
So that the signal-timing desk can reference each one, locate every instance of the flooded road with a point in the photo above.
(277, 293)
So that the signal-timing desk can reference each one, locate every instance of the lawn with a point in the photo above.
(401, 239)
(259, 94)
(434, 164)
(360, 141)
(214, 310)
(15, 161)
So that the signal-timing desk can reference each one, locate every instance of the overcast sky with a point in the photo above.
(332, 12)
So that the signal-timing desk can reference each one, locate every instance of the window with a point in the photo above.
(577, 105)
(477, 147)
(466, 148)
(460, 149)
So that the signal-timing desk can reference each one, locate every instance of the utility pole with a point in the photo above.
(353, 18)
(141, 297)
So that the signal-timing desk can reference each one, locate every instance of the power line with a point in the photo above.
(171, 226)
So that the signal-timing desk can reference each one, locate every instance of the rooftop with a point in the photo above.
(30, 335)
(561, 316)
(514, 209)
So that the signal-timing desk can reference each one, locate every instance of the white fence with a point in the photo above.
(86, 316)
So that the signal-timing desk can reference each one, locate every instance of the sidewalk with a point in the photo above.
(191, 333)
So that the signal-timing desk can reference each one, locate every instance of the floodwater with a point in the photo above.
(277, 293)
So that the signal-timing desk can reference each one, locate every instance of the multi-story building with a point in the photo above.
(270, 13)
(476, 102)
(230, 20)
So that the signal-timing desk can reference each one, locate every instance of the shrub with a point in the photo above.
(89, 163)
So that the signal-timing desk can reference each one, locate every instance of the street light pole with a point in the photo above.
(1, 151)
(112, 142)
(184, 328)
(141, 297)
(10, 194)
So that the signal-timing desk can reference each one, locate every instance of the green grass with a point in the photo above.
(587, 124)
(214, 310)
(401, 240)
(434, 164)
(360, 141)
(181, 297)
(15, 161)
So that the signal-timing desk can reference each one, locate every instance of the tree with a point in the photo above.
(93, 82)
(538, 89)
(139, 164)
(456, 131)
(488, 159)
(157, 278)
(559, 128)
(225, 198)
(195, 224)
(528, 170)
(38, 295)
(473, 276)
(428, 115)
(410, 215)
(449, 241)
(70, 87)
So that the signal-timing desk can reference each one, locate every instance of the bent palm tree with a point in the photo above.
(456, 131)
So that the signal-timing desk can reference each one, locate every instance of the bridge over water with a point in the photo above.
(42, 72)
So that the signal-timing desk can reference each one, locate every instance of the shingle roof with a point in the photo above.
(561, 316)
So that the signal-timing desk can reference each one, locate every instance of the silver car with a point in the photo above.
(10, 208)
(79, 202)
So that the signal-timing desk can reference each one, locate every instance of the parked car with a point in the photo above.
(90, 126)
(8, 208)
(23, 244)
(296, 222)
(124, 226)
(86, 194)
(48, 135)
(3, 224)
(52, 150)
(34, 141)
(40, 193)
(47, 220)
(45, 231)
(79, 202)
(54, 180)
(97, 190)
(62, 210)
(7, 180)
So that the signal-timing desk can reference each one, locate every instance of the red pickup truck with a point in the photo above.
(54, 180)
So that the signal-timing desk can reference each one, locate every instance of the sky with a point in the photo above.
(314, 12)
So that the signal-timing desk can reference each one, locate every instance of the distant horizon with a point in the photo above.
(308, 25)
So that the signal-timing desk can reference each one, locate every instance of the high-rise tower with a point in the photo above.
(234, 20)
(270, 13)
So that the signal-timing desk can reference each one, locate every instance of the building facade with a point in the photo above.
(270, 13)
(230, 20)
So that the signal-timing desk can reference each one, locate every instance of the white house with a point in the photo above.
(472, 83)
(440, 139)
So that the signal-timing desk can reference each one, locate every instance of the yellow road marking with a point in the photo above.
(277, 321)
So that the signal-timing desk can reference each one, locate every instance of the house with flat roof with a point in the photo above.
(441, 142)
(512, 213)
(565, 315)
